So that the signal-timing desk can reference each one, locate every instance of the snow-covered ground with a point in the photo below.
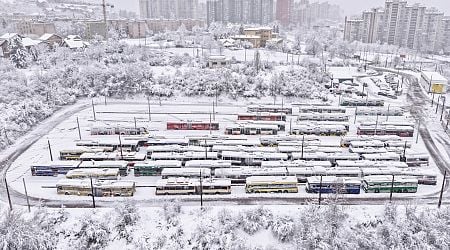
(64, 136)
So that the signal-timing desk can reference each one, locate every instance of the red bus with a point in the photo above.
(192, 125)
(262, 117)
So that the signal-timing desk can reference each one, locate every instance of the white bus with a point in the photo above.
(185, 172)
(98, 173)
(180, 186)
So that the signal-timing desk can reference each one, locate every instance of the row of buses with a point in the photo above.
(289, 184)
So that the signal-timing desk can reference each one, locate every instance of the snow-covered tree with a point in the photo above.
(18, 53)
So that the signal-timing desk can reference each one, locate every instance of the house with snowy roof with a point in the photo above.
(74, 42)
(51, 39)
(5, 40)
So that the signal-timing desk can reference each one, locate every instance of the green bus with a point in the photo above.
(383, 184)
(152, 168)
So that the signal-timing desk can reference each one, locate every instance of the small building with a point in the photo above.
(435, 82)
(51, 39)
(342, 74)
(5, 40)
(74, 42)
(254, 40)
(217, 61)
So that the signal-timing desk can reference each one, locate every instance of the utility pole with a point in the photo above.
(303, 143)
(442, 189)
(9, 196)
(392, 189)
(79, 131)
(149, 112)
(356, 114)
(418, 128)
(376, 125)
(92, 192)
(50, 150)
(93, 109)
(26, 194)
(104, 20)
(206, 150)
(290, 126)
(443, 107)
(214, 112)
(210, 131)
(120, 145)
(135, 125)
(320, 190)
(437, 104)
(105, 100)
(387, 116)
(201, 190)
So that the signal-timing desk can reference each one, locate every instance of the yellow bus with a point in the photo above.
(271, 184)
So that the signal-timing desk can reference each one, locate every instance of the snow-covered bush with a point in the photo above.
(254, 220)
(283, 228)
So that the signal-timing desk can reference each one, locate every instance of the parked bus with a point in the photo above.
(361, 102)
(336, 117)
(172, 149)
(388, 156)
(53, 168)
(116, 130)
(151, 168)
(186, 156)
(121, 165)
(402, 131)
(251, 129)
(109, 142)
(321, 109)
(318, 129)
(239, 175)
(192, 125)
(97, 173)
(333, 184)
(75, 153)
(185, 172)
(415, 159)
(100, 188)
(262, 117)
(383, 184)
(166, 141)
(346, 140)
(380, 111)
(184, 186)
(251, 158)
(269, 109)
(271, 184)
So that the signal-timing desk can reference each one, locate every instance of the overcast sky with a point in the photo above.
(350, 7)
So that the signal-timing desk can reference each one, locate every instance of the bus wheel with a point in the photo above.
(166, 193)
(400, 191)
(285, 191)
(66, 193)
(217, 193)
(377, 190)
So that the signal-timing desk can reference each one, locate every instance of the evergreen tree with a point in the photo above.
(19, 55)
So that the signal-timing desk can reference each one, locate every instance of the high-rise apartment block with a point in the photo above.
(240, 11)
(169, 9)
(411, 26)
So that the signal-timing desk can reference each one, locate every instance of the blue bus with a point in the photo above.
(54, 168)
